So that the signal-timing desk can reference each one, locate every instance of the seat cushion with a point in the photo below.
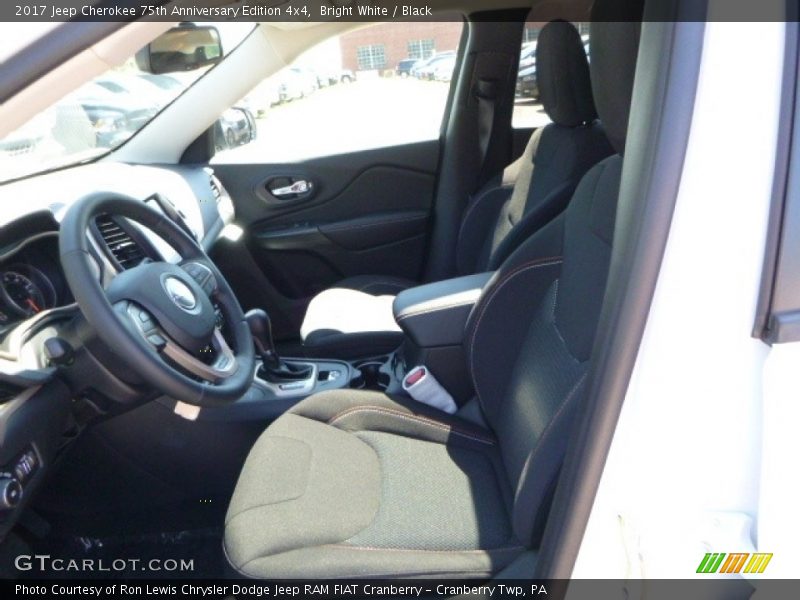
(361, 484)
(354, 319)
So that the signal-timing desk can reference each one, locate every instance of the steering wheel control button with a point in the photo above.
(181, 295)
(202, 275)
(10, 493)
(26, 466)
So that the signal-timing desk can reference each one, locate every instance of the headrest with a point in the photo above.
(614, 46)
(562, 73)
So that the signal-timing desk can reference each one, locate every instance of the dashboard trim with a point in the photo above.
(19, 247)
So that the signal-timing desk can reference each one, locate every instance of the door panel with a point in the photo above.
(307, 258)
(363, 213)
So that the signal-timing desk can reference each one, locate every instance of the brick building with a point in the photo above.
(381, 47)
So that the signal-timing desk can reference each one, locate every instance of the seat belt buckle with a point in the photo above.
(423, 387)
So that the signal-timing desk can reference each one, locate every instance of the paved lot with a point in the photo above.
(364, 114)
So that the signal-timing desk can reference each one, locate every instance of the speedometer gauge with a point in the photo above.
(21, 294)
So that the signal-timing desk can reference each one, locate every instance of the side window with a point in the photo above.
(379, 86)
(528, 110)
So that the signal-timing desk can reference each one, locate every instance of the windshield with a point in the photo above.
(100, 115)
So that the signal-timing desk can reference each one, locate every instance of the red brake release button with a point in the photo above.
(415, 376)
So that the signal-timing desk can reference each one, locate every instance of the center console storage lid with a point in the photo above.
(436, 314)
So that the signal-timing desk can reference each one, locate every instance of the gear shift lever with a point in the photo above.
(273, 368)
(261, 330)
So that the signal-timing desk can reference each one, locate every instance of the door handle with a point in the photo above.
(301, 186)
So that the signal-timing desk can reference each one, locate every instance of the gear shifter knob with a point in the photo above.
(261, 330)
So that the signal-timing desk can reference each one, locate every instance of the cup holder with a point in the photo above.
(369, 375)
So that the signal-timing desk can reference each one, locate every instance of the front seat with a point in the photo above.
(354, 318)
(363, 484)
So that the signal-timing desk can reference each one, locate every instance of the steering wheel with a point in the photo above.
(160, 317)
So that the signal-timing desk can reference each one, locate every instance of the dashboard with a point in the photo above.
(31, 280)
(36, 303)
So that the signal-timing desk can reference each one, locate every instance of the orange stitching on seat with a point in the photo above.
(422, 420)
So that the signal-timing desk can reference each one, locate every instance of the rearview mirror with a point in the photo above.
(183, 48)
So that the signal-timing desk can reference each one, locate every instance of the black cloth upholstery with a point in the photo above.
(500, 217)
(614, 49)
(562, 73)
(357, 484)
(540, 392)
(551, 166)
(361, 484)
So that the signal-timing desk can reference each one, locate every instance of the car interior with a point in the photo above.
(368, 364)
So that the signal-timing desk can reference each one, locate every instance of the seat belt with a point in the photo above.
(490, 75)
(486, 94)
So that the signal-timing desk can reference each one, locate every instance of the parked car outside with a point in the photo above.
(296, 83)
(424, 70)
(263, 97)
(114, 116)
(236, 127)
(28, 137)
(527, 57)
(165, 82)
(325, 78)
(404, 67)
(443, 69)
(527, 85)
(132, 85)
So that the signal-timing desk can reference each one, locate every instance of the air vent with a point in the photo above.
(119, 242)
(215, 188)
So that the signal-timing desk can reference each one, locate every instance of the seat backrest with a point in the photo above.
(557, 155)
(530, 336)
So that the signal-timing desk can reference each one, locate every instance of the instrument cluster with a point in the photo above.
(31, 280)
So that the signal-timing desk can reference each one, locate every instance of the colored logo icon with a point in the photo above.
(720, 562)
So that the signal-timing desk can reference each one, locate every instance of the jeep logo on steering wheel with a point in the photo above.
(180, 294)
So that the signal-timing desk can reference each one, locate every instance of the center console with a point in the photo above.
(278, 383)
(433, 318)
